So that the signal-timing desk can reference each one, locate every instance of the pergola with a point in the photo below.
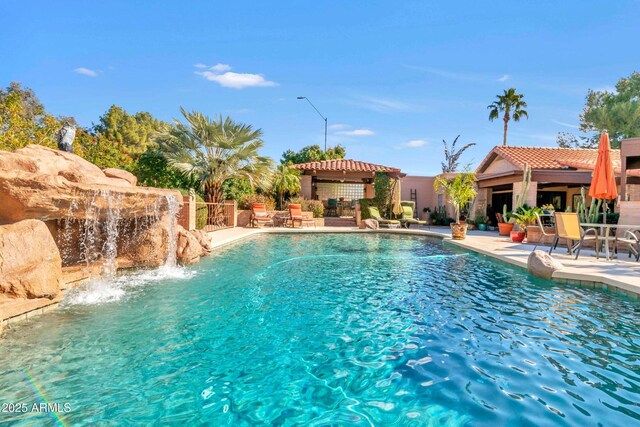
(341, 179)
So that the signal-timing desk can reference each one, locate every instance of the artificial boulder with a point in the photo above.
(30, 264)
(204, 239)
(188, 249)
(121, 174)
(541, 264)
(149, 246)
(39, 182)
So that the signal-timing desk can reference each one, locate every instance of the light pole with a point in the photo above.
(323, 117)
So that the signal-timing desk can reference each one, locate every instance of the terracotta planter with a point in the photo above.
(458, 231)
(517, 236)
(504, 228)
(534, 234)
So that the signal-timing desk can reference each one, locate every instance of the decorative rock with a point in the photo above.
(30, 264)
(38, 182)
(541, 264)
(371, 223)
(149, 247)
(188, 249)
(121, 174)
(204, 239)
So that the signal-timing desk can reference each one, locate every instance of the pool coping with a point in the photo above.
(568, 275)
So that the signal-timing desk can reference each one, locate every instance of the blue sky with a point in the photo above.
(393, 78)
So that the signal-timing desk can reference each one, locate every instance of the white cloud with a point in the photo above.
(416, 143)
(357, 132)
(220, 74)
(569, 125)
(504, 78)
(338, 126)
(86, 72)
(220, 68)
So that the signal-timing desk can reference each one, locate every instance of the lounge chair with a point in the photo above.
(388, 223)
(259, 215)
(332, 207)
(407, 218)
(568, 228)
(295, 214)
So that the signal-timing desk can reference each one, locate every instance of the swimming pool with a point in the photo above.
(357, 329)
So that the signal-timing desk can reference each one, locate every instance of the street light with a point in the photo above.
(323, 117)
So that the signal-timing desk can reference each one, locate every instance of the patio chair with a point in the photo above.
(628, 236)
(541, 225)
(388, 223)
(295, 214)
(259, 215)
(332, 207)
(406, 219)
(568, 228)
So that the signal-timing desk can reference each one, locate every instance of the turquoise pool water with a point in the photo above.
(331, 330)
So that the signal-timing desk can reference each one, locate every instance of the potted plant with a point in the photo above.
(460, 190)
(505, 225)
(481, 220)
(525, 217)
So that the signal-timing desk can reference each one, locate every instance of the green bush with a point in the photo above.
(314, 206)
(246, 201)
(364, 208)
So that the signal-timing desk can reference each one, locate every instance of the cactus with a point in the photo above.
(591, 213)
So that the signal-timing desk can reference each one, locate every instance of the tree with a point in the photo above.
(313, 153)
(285, 180)
(460, 190)
(212, 151)
(618, 112)
(511, 104)
(23, 119)
(451, 156)
(153, 170)
(135, 132)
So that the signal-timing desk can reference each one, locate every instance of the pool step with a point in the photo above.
(339, 222)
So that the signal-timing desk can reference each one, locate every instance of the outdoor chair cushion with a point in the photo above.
(375, 214)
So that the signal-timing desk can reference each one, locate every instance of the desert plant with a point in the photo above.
(525, 217)
(590, 214)
(524, 188)
(451, 156)
(480, 217)
(247, 200)
(459, 190)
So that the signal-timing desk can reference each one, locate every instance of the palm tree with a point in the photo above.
(451, 156)
(211, 151)
(511, 104)
(285, 179)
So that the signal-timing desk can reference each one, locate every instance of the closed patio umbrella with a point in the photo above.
(603, 181)
(397, 207)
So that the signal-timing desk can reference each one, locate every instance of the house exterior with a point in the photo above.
(557, 175)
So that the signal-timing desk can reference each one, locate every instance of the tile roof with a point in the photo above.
(547, 157)
(347, 165)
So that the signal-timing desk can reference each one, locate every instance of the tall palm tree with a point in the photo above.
(512, 105)
(285, 179)
(210, 151)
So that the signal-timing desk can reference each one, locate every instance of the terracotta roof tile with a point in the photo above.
(344, 165)
(547, 157)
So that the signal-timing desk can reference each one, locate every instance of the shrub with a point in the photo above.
(364, 208)
(314, 206)
(246, 201)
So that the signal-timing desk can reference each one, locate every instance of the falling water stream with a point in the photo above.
(98, 243)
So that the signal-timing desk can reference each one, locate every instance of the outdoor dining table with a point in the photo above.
(604, 233)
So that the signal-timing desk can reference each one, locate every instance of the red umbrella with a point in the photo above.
(603, 182)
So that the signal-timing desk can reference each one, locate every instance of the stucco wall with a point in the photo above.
(426, 196)
(500, 165)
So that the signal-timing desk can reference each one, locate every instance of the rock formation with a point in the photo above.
(541, 264)
(30, 264)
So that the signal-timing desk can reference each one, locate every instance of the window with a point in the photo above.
(347, 191)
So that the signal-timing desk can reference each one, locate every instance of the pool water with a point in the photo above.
(336, 329)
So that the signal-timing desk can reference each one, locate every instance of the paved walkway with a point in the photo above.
(620, 274)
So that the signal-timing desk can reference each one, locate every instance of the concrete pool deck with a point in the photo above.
(621, 275)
